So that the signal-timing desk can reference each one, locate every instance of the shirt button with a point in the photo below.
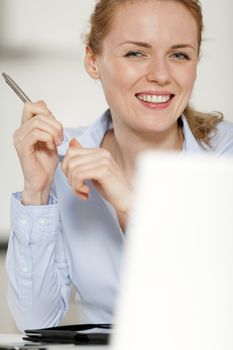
(42, 221)
(25, 269)
(23, 221)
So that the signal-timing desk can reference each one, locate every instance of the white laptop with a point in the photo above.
(177, 281)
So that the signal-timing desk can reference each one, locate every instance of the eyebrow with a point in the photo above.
(148, 46)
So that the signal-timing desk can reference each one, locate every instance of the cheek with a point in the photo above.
(185, 77)
(115, 82)
(115, 75)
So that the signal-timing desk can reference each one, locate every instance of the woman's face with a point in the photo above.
(148, 64)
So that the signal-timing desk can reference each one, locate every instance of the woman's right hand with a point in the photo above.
(36, 143)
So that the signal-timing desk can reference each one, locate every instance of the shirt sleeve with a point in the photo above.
(39, 283)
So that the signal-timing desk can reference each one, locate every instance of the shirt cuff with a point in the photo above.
(34, 222)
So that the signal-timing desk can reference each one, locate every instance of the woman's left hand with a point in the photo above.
(97, 164)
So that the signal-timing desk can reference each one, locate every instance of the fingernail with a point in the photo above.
(84, 196)
(73, 143)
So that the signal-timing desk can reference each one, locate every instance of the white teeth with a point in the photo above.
(154, 98)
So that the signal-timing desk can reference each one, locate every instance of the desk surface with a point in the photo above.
(8, 339)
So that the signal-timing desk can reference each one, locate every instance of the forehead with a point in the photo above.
(153, 21)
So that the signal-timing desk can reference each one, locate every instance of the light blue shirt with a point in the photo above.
(74, 241)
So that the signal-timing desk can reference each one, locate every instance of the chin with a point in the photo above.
(156, 124)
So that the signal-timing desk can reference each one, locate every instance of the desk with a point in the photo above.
(9, 339)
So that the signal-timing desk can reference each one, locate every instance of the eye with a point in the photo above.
(134, 53)
(180, 56)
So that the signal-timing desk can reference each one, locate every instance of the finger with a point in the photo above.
(42, 123)
(76, 152)
(77, 184)
(86, 161)
(97, 173)
(84, 196)
(74, 143)
(32, 139)
(52, 125)
(79, 152)
(56, 124)
(83, 191)
(32, 108)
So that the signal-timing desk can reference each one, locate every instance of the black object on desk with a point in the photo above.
(21, 346)
(72, 334)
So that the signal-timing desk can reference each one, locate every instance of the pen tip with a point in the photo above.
(4, 75)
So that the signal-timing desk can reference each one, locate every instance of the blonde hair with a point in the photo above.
(202, 125)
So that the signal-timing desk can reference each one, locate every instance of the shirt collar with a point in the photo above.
(93, 135)
(190, 143)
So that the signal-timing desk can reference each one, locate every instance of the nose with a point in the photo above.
(158, 71)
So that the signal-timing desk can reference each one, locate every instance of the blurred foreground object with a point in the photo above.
(177, 285)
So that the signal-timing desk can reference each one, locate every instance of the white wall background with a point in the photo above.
(40, 47)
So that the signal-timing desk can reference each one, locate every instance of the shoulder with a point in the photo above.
(222, 140)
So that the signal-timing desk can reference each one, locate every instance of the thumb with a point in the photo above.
(74, 143)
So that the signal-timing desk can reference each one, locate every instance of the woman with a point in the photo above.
(69, 223)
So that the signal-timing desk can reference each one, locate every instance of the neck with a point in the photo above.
(125, 146)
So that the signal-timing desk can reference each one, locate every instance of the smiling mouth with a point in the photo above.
(154, 99)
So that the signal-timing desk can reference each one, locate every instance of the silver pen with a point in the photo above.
(20, 93)
(16, 88)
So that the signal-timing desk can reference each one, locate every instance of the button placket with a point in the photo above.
(42, 221)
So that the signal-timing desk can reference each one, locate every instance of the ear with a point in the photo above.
(90, 63)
